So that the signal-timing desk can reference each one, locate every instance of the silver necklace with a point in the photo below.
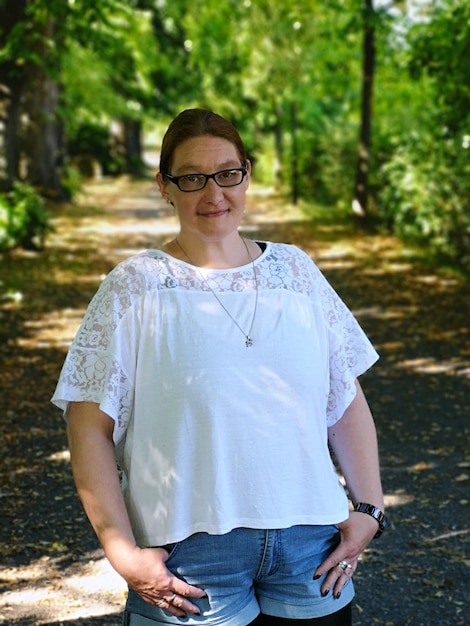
(248, 338)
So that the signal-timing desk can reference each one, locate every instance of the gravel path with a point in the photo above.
(52, 571)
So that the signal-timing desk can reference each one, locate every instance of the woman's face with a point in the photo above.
(213, 212)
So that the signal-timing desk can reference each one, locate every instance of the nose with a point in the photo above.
(212, 191)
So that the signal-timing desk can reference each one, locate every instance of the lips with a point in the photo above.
(214, 213)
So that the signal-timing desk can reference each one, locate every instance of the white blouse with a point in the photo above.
(211, 434)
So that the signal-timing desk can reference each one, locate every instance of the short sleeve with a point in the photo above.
(350, 351)
(98, 367)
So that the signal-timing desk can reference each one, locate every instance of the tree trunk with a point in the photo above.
(278, 146)
(44, 135)
(133, 146)
(11, 86)
(44, 138)
(361, 187)
(294, 166)
(10, 112)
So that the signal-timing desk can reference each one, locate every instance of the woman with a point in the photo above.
(218, 369)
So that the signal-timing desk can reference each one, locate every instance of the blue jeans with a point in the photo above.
(248, 571)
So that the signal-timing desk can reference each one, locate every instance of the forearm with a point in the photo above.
(96, 478)
(353, 440)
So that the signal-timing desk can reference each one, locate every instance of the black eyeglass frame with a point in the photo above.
(176, 179)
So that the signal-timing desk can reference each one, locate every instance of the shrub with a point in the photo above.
(23, 218)
(93, 141)
(424, 196)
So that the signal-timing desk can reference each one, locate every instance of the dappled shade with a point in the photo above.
(417, 318)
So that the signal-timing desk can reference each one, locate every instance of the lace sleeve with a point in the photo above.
(97, 366)
(351, 352)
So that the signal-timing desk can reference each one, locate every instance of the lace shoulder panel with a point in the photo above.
(291, 268)
(121, 288)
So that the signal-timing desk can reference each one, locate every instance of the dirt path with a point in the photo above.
(52, 571)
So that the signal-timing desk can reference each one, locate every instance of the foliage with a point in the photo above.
(440, 49)
(92, 141)
(72, 180)
(23, 218)
(424, 180)
(425, 191)
(288, 74)
(89, 98)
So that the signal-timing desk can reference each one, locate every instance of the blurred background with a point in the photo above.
(357, 105)
(356, 115)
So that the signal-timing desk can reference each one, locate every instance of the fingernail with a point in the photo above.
(338, 595)
(325, 593)
(316, 577)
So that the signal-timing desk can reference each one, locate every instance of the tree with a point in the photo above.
(43, 139)
(132, 67)
(36, 37)
(12, 78)
(31, 47)
(361, 186)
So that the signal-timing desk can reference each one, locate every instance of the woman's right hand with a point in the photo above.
(145, 572)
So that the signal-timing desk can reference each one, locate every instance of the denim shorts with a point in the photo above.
(248, 571)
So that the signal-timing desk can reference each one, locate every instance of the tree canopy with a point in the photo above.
(347, 102)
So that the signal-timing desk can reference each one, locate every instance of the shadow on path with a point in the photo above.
(416, 574)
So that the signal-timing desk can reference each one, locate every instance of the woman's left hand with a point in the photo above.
(356, 533)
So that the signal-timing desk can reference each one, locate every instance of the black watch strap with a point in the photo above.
(373, 511)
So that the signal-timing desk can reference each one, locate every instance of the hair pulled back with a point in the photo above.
(197, 123)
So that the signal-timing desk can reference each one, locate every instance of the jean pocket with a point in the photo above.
(171, 548)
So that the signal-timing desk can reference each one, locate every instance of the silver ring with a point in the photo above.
(172, 598)
(344, 565)
(158, 602)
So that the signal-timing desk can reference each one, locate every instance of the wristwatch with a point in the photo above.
(373, 511)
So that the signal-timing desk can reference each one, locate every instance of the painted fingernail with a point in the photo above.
(325, 593)
(338, 595)
(316, 577)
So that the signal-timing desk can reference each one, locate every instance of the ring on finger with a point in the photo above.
(344, 565)
(172, 598)
(158, 602)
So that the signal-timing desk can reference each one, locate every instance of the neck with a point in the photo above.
(214, 255)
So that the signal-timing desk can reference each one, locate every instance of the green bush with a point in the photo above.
(23, 218)
(71, 180)
(424, 196)
(93, 141)
(326, 162)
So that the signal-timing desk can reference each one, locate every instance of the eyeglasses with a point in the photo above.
(196, 182)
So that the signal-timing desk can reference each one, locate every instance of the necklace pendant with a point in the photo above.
(248, 339)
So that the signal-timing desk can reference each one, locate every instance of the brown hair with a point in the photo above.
(197, 123)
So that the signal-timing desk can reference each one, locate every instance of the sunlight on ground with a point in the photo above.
(432, 365)
(95, 230)
(52, 330)
(62, 456)
(337, 265)
(63, 595)
(46, 592)
(397, 499)
(385, 314)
